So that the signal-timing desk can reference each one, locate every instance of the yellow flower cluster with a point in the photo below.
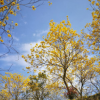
(11, 12)
(3, 8)
(1, 39)
(13, 3)
(7, 18)
(50, 3)
(9, 35)
(18, 7)
(97, 4)
(22, 56)
(16, 24)
(2, 2)
(8, 31)
(92, 2)
(37, 56)
(3, 24)
(33, 8)
(34, 70)
(27, 67)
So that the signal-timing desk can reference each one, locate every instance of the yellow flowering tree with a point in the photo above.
(61, 49)
(93, 34)
(94, 27)
(13, 85)
(83, 72)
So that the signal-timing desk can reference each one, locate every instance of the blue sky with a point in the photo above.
(32, 25)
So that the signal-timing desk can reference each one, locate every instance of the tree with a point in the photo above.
(60, 51)
(13, 85)
(92, 38)
(8, 8)
(37, 85)
(83, 72)
(93, 34)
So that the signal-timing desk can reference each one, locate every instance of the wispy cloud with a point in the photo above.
(34, 34)
(41, 32)
(25, 22)
(15, 38)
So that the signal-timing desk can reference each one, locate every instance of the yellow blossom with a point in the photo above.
(27, 67)
(2, 2)
(1, 40)
(11, 12)
(22, 56)
(94, 43)
(92, 2)
(33, 8)
(97, 4)
(63, 21)
(18, 7)
(15, 14)
(7, 18)
(0, 22)
(16, 24)
(92, 52)
(13, 3)
(9, 35)
(50, 4)
(3, 24)
(5, 7)
(34, 70)
(8, 31)
(17, 4)
(51, 20)
(26, 60)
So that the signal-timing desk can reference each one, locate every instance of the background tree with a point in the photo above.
(92, 38)
(94, 27)
(82, 73)
(13, 86)
(93, 34)
(37, 90)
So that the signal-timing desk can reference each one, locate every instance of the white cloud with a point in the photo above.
(17, 59)
(26, 47)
